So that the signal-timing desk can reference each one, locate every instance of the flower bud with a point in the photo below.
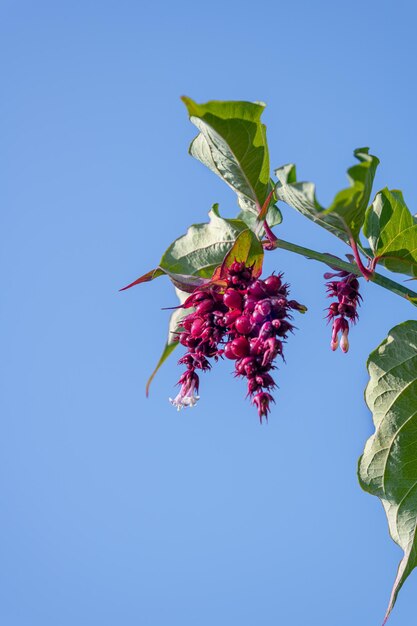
(257, 317)
(262, 401)
(333, 310)
(204, 307)
(246, 366)
(267, 330)
(243, 325)
(236, 267)
(249, 303)
(233, 299)
(273, 284)
(264, 306)
(183, 338)
(197, 327)
(230, 318)
(188, 321)
(255, 346)
(240, 346)
(192, 342)
(253, 386)
(271, 348)
(265, 380)
(257, 289)
(347, 309)
(344, 341)
(334, 343)
(229, 353)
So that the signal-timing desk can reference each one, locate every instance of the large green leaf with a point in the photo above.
(388, 466)
(171, 342)
(273, 218)
(193, 257)
(346, 214)
(392, 232)
(232, 143)
(203, 247)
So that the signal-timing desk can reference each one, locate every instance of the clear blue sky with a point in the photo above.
(117, 510)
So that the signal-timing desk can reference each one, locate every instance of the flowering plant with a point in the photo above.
(227, 310)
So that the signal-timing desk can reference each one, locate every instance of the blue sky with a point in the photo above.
(117, 509)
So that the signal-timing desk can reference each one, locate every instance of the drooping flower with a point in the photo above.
(262, 401)
(188, 394)
(344, 310)
(247, 321)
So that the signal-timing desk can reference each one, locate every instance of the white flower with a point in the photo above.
(187, 397)
(182, 402)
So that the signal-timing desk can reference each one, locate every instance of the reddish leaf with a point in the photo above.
(145, 278)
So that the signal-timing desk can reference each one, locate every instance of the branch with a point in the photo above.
(334, 262)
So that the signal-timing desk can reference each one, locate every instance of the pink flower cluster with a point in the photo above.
(246, 321)
(343, 311)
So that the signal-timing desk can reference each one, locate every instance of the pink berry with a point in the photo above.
(230, 318)
(243, 325)
(204, 307)
(229, 352)
(233, 299)
(273, 284)
(240, 346)
(258, 289)
(197, 327)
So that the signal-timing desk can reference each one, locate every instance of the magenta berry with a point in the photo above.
(233, 299)
(204, 307)
(243, 325)
(197, 327)
(273, 284)
(230, 318)
(240, 346)
(229, 353)
(258, 289)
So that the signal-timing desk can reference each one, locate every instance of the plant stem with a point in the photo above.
(335, 262)
(366, 273)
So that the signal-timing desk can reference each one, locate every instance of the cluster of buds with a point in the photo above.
(247, 321)
(344, 309)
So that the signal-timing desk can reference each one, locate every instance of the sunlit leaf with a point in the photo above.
(392, 232)
(247, 249)
(388, 466)
(232, 143)
(171, 342)
(346, 214)
(194, 256)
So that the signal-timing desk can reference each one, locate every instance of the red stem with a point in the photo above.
(366, 273)
(373, 263)
(262, 215)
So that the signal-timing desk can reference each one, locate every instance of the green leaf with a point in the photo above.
(145, 278)
(232, 143)
(193, 257)
(202, 249)
(388, 466)
(392, 232)
(171, 342)
(346, 214)
(247, 249)
(273, 217)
